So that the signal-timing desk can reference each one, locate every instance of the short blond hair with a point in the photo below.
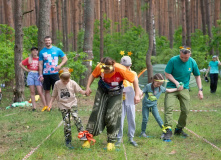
(64, 73)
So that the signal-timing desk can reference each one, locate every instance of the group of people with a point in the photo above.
(117, 93)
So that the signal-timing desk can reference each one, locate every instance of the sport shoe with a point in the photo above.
(167, 136)
(86, 144)
(84, 138)
(180, 132)
(117, 144)
(69, 145)
(143, 134)
(134, 143)
(43, 109)
(110, 146)
(34, 109)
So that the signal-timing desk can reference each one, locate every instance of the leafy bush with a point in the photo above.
(75, 62)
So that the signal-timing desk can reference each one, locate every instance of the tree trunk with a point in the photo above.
(101, 30)
(170, 8)
(74, 13)
(202, 3)
(195, 15)
(188, 25)
(209, 25)
(88, 39)
(37, 12)
(19, 75)
(8, 13)
(44, 22)
(150, 49)
(154, 52)
(159, 18)
(59, 15)
(147, 16)
(54, 21)
(183, 23)
(64, 23)
(2, 13)
(217, 12)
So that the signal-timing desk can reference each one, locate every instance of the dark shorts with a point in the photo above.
(49, 81)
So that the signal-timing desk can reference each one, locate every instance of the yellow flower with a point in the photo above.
(129, 53)
(70, 70)
(122, 53)
(60, 71)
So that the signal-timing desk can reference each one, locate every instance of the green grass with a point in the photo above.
(22, 130)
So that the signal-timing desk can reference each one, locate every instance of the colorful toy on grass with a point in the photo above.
(20, 104)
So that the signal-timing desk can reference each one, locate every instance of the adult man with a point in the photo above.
(178, 71)
(48, 64)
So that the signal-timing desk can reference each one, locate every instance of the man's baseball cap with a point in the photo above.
(126, 61)
(214, 56)
(34, 48)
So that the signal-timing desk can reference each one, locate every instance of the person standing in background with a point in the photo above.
(214, 71)
(48, 67)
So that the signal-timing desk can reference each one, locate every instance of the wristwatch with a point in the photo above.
(200, 89)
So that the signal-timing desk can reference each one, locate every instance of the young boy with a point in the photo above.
(65, 89)
(128, 107)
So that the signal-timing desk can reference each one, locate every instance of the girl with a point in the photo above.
(32, 64)
(65, 90)
(107, 107)
(152, 93)
(214, 71)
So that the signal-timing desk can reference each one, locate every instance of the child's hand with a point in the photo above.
(88, 92)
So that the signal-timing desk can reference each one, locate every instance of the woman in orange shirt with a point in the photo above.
(107, 107)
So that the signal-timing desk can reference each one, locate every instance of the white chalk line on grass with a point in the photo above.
(125, 154)
(32, 151)
(162, 110)
(189, 110)
(205, 140)
(10, 114)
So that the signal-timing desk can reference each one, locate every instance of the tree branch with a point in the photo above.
(27, 12)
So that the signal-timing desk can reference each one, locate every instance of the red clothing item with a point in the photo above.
(120, 73)
(33, 66)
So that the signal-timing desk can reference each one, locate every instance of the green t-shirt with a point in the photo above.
(181, 71)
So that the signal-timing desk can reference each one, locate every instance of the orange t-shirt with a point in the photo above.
(120, 73)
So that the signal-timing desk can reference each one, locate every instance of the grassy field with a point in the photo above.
(22, 130)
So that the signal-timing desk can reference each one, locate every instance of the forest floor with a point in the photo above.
(39, 135)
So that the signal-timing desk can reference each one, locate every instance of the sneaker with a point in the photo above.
(117, 144)
(43, 109)
(69, 145)
(180, 132)
(84, 138)
(134, 143)
(34, 109)
(110, 146)
(143, 134)
(167, 136)
(86, 144)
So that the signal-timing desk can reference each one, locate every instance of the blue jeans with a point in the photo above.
(145, 114)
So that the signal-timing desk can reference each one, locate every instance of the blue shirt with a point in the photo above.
(214, 67)
(50, 59)
(157, 92)
(181, 71)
